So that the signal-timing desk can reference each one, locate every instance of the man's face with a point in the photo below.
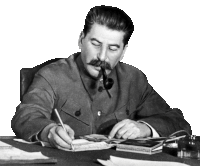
(101, 45)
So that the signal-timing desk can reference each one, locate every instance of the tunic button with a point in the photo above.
(99, 113)
(100, 89)
(78, 113)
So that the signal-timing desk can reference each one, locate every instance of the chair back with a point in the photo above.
(27, 75)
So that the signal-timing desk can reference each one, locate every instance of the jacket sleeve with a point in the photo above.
(154, 110)
(34, 113)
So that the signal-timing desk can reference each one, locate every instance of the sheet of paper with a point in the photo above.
(85, 145)
(3, 144)
(44, 144)
(17, 154)
(118, 161)
(23, 141)
(8, 152)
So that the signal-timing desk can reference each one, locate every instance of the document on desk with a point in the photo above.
(10, 154)
(118, 161)
(93, 142)
(85, 145)
(4, 145)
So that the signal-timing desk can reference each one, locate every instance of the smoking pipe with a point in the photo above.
(107, 82)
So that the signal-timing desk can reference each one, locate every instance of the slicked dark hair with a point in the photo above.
(111, 17)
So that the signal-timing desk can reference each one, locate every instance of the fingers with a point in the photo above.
(115, 129)
(56, 141)
(126, 129)
(60, 138)
(131, 134)
(70, 131)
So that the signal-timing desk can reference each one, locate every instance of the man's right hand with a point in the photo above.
(57, 136)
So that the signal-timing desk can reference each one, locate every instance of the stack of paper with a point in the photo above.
(118, 161)
(9, 153)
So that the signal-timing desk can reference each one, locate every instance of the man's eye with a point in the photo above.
(113, 48)
(95, 44)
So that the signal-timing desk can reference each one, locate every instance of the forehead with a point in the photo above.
(104, 34)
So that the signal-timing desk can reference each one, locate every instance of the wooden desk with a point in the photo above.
(89, 158)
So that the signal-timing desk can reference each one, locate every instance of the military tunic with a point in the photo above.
(85, 106)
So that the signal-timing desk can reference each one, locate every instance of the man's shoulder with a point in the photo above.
(62, 65)
(129, 71)
(131, 76)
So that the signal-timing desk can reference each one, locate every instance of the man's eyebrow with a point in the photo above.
(115, 45)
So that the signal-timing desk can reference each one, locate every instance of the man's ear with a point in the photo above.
(80, 40)
(124, 50)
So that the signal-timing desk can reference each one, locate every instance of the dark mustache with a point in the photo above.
(98, 63)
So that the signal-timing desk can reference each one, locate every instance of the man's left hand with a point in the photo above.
(130, 129)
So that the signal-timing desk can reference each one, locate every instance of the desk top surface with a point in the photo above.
(89, 158)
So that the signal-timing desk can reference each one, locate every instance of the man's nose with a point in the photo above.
(102, 55)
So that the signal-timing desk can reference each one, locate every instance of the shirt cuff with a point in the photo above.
(154, 132)
(35, 138)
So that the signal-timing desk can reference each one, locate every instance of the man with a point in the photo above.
(76, 87)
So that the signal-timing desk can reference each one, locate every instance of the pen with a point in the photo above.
(60, 120)
(174, 138)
